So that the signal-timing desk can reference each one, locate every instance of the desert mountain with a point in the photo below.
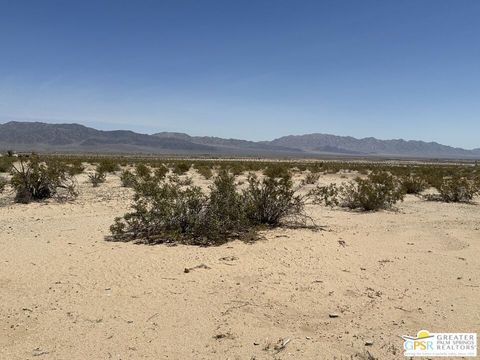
(37, 136)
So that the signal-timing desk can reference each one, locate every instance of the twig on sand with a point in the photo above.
(151, 317)
(282, 344)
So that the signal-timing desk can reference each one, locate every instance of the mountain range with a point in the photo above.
(43, 137)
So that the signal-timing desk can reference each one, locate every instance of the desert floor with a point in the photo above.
(66, 293)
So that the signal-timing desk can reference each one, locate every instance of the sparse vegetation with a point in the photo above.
(108, 165)
(456, 189)
(6, 163)
(3, 184)
(128, 179)
(181, 167)
(34, 180)
(413, 184)
(378, 191)
(97, 178)
(311, 178)
(272, 200)
(168, 211)
(204, 171)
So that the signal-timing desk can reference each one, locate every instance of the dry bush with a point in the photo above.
(311, 178)
(3, 184)
(204, 171)
(379, 190)
(171, 212)
(97, 178)
(181, 167)
(143, 171)
(34, 179)
(6, 163)
(272, 200)
(456, 189)
(108, 165)
(128, 179)
(277, 171)
(160, 172)
(413, 184)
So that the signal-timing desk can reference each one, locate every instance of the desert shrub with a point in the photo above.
(160, 172)
(181, 167)
(75, 167)
(6, 163)
(204, 171)
(3, 184)
(272, 200)
(97, 178)
(379, 190)
(456, 189)
(128, 179)
(311, 178)
(108, 165)
(33, 180)
(143, 171)
(275, 171)
(165, 211)
(413, 184)
(168, 212)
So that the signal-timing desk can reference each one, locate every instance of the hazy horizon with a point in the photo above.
(254, 71)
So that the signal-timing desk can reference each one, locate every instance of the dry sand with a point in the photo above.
(66, 293)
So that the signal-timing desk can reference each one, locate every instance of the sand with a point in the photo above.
(66, 293)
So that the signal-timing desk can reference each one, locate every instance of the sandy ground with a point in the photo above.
(66, 293)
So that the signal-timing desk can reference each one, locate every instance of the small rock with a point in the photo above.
(333, 315)
(369, 343)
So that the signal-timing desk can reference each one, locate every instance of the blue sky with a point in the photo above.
(246, 69)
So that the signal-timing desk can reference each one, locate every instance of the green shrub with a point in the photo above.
(311, 178)
(97, 178)
(3, 184)
(128, 179)
(160, 172)
(34, 180)
(272, 200)
(181, 167)
(379, 190)
(143, 171)
(276, 171)
(6, 163)
(457, 189)
(108, 165)
(204, 171)
(413, 184)
(166, 211)
(75, 167)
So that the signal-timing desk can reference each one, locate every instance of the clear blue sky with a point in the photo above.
(246, 69)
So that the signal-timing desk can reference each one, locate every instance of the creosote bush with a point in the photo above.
(170, 212)
(97, 178)
(204, 171)
(143, 171)
(3, 184)
(413, 184)
(6, 163)
(128, 179)
(108, 165)
(456, 189)
(160, 172)
(272, 200)
(379, 190)
(311, 178)
(181, 168)
(34, 179)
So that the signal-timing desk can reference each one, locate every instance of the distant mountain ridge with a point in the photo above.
(38, 136)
